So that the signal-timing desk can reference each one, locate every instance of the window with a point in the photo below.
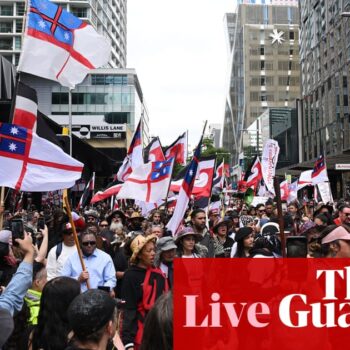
(20, 9)
(291, 35)
(79, 12)
(262, 65)
(262, 51)
(19, 25)
(58, 98)
(6, 27)
(102, 79)
(5, 44)
(263, 81)
(18, 41)
(6, 10)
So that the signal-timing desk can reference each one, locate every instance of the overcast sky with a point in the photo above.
(178, 49)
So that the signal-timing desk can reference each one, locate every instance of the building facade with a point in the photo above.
(215, 134)
(264, 67)
(106, 108)
(325, 68)
(107, 17)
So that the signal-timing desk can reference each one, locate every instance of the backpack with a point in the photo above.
(59, 249)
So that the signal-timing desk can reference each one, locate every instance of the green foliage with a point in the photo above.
(208, 149)
(177, 169)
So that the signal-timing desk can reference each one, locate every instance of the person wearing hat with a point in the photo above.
(166, 252)
(92, 317)
(143, 284)
(245, 241)
(135, 222)
(59, 254)
(335, 242)
(222, 240)
(117, 216)
(91, 216)
(188, 246)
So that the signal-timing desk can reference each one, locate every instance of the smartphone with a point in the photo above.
(41, 223)
(17, 229)
(106, 289)
(296, 247)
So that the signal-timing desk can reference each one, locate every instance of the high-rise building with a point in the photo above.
(107, 17)
(264, 65)
(325, 68)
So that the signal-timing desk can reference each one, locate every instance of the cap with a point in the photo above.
(166, 243)
(338, 233)
(90, 311)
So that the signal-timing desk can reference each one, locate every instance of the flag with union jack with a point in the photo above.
(59, 46)
(149, 182)
(185, 192)
(319, 173)
(31, 163)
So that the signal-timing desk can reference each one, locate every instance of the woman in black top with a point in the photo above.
(142, 285)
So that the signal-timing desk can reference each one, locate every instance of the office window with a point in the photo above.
(262, 65)
(6, 27)
(19, 25)
(291, 35)
(18, 42)
(20, 9)
(262, 50)
(6, 10)
(6, 44)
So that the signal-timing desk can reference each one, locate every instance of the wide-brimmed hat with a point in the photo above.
(5, 236)
(138, 243)
(321, 206)
(221, 222)
(186, 232)
(338, 233)
(270, 228)
(116, 212)
(136, 215)
(92, 213)
(166, 243)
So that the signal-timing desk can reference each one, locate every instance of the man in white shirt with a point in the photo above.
(59, 254)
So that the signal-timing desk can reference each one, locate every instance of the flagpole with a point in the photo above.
(69, 213)
(70, 121)
(280, 215)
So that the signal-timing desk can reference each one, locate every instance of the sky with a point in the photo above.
(179, 51)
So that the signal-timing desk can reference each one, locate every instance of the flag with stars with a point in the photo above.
(59, 46)
(319, 173)
(30, 163)
(185, 192)
(148, 182)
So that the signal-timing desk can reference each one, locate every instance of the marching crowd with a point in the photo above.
(117, 292)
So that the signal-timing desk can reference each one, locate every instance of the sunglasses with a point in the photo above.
(262, 211)
(104, 225)
(85, 244)
(68, 233)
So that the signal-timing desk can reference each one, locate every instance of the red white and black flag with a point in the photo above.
(26, 107)
(253, 174)
(153, 152)
(88, 193)
(319, 173)
(178, 150)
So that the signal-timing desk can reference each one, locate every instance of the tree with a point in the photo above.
(208, 149)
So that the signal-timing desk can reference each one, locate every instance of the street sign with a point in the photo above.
(342, 167)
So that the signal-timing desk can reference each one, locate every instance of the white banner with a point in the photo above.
(325, 192)
(268, 164)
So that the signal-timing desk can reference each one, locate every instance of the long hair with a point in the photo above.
(240, 250)
(52, 330)
(158, 330)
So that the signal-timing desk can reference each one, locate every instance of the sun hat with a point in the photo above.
(138, 243)
(337, 233)
(186, 232)
(166, 243)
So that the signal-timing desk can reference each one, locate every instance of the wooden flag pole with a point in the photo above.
(69, 213)
(276, 184)
(2, 205)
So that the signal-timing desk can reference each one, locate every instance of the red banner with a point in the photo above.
(262, 304)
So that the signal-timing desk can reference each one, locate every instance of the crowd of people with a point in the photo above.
(116, 290)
